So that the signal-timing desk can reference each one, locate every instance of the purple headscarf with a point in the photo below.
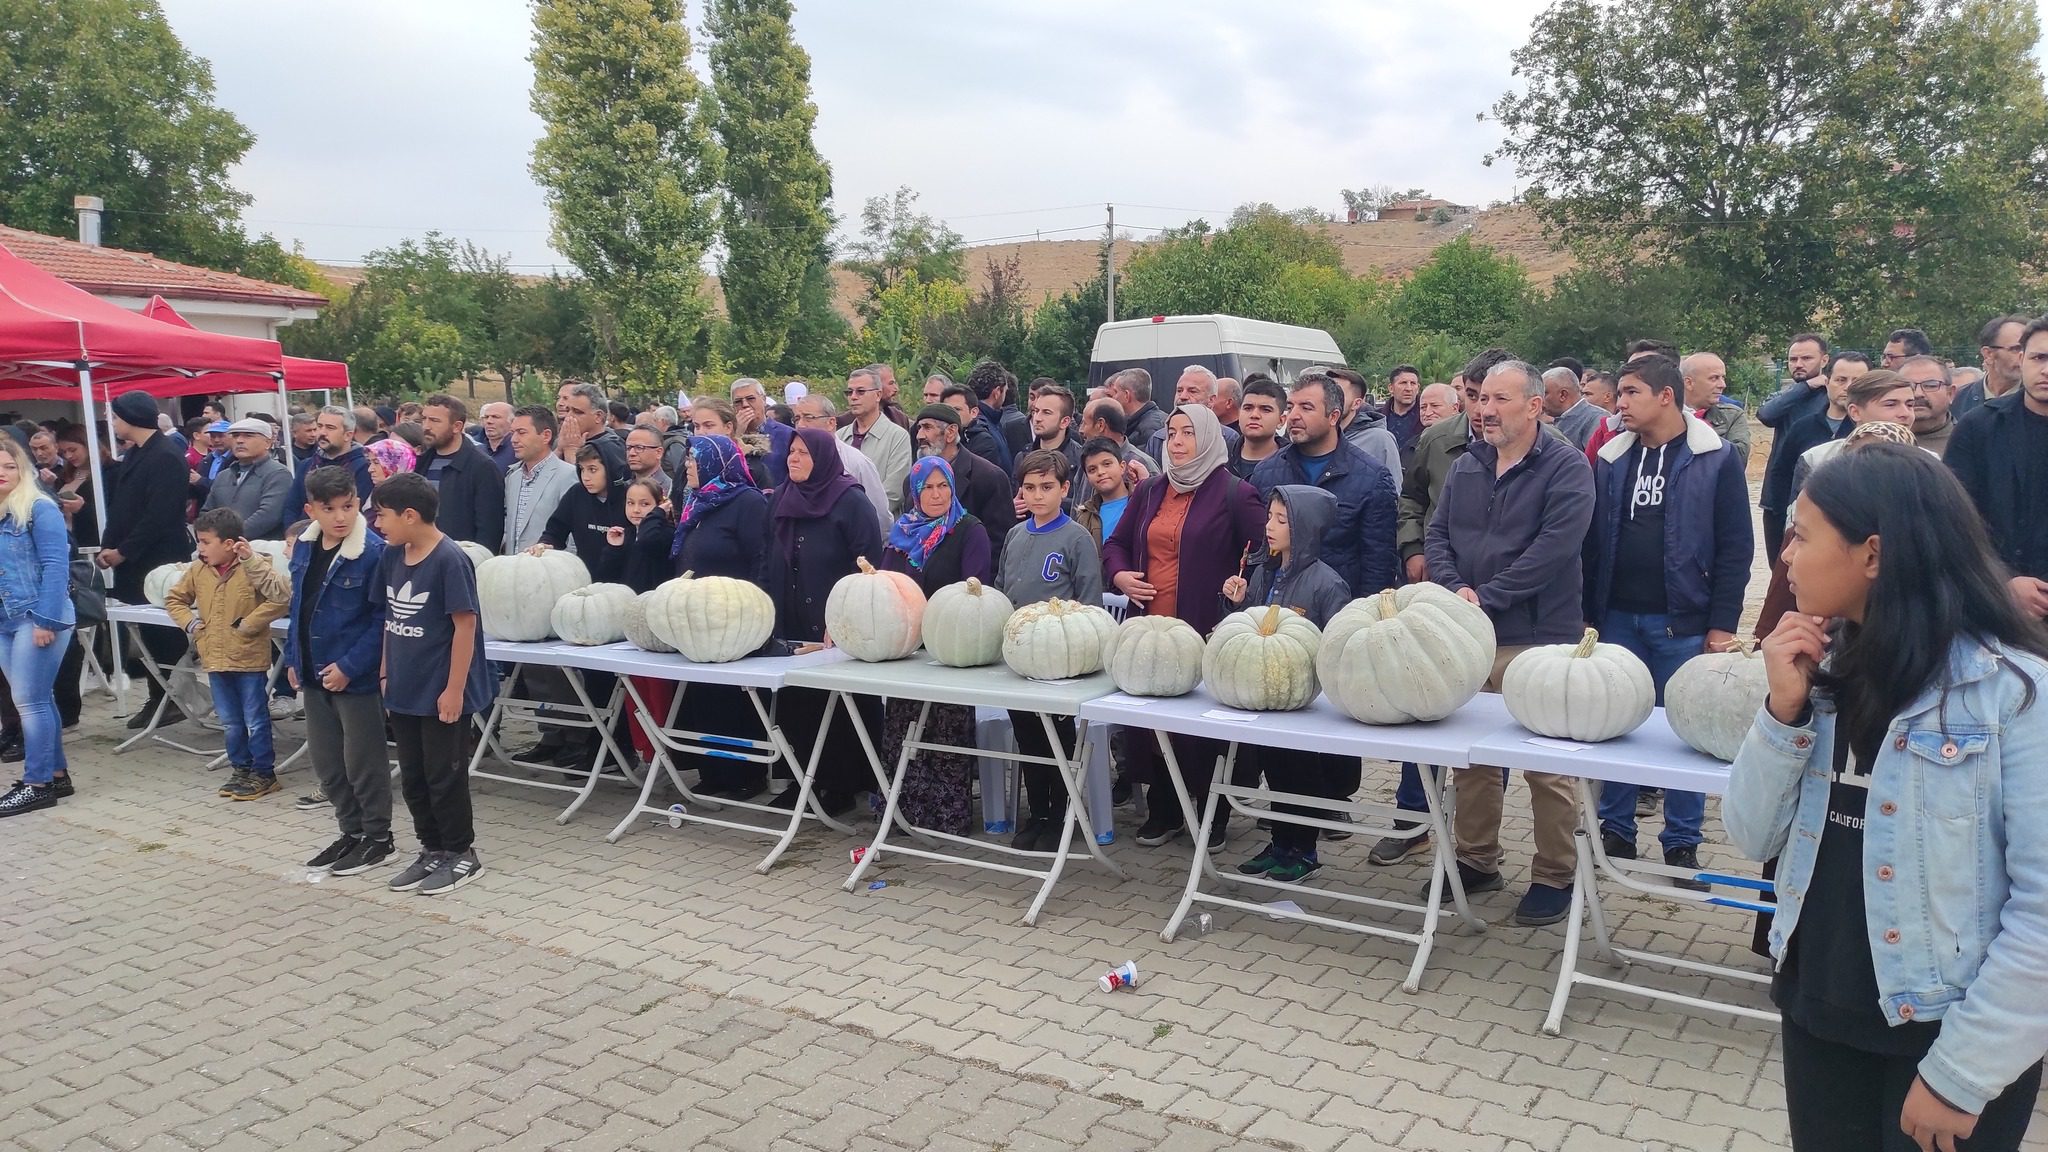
(827, 483)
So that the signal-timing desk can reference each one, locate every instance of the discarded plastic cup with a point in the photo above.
(675, 815)
(1199, 926)
(1124, 975)
(859, 854)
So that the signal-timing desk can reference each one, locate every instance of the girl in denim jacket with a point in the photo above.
(1899, 774)
(36, 618)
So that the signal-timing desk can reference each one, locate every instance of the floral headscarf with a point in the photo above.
(721, 475)
(915, 534)
(394, 454)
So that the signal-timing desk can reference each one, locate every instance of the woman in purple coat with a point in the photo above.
(1182, 535)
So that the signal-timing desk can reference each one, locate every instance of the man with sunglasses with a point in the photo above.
(880, 439)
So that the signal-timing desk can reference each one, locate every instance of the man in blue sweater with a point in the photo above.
(1667, 562)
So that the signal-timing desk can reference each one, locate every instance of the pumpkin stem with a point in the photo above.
(866, 569)
(1586, 644)
(1271, 623)
(974, 585)
(1387, 609)
(686, 575)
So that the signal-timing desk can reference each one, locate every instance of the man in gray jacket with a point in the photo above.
(535, 482)
(254, 485)
(1508, 535)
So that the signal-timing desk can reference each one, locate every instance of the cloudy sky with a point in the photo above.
(381, 119)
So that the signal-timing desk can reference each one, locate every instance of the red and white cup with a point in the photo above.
(859, 854)
(1124, 975)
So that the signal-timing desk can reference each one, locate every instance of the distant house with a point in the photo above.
(1409, 209)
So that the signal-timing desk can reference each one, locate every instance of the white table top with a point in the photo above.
(624, 659)
(1651, 756)
(1320, 727)
(919, 677)
(121, 613)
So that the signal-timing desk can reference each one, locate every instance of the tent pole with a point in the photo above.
(284, 416)
(99, 512)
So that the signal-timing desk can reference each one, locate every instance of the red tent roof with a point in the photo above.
(301, 374)
(49, 330)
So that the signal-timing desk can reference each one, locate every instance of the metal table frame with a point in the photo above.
(1318, 728)
(584, 713)
(1651, 756)
(923, 679)
(134, 617)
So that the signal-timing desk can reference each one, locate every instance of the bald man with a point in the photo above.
(1439, 401)
(493, 433)
(1706, 379)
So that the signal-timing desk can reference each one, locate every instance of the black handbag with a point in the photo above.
(88, 595)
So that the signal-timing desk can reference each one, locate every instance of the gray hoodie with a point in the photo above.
(1306, 585)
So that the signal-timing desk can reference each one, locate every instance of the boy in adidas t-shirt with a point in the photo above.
(433, 679)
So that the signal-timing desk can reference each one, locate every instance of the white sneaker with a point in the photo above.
(287, 708)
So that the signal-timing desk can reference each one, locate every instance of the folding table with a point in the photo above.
(584, 713)
(1652, 757)
(928, 682)
(1320, 727)
(135, 617)
(759, 677)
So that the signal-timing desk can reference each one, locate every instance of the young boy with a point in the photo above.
(588, 513)
(1294, 577)
(433, 679)
(1047, 556)
(225, 603)
(1109, 489)
(331, 654)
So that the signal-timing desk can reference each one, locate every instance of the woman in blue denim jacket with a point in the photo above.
(36, 618)
(1899, 774)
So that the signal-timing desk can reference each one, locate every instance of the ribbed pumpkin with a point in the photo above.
(875, 615)
(1155, 656)
(477, 553)
(274, 549)
(518, 592)
(1585, 691)
(1263, 660)
(162, 579)
(1713, 698)
(593, 614)
(713, 620)
(638, 633)
(1408, 654)
(963, 624)
(1056, 639)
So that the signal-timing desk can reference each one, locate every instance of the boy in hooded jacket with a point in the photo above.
(1293, 576)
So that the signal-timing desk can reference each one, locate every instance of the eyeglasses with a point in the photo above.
(643, 447)
(2004, 347)
(1930, 385)
(862, 391)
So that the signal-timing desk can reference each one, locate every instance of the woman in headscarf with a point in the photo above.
(719, 514)
(936, 542)
(1181, 536)
(821, 525)
(388, 457)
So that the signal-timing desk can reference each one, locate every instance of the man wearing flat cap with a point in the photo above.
(255, 484)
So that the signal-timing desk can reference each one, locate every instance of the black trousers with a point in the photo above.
(1197, 758)
(843, 768)
(1304, 774)
(1843, 1099)
(1044, 792)
(433, 773)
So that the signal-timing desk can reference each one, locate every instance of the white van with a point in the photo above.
(1226, 345)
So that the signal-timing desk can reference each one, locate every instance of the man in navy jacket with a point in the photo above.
(1667, 561)
(1360, 541)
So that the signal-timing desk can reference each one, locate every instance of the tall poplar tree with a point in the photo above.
(630, 171)
(772, 215)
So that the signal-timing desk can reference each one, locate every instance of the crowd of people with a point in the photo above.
(1902, 627)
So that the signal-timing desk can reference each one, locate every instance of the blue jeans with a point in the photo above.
(31, 675)
(241, 702)
(1649, 637)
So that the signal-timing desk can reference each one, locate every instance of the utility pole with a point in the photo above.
(1109, 274)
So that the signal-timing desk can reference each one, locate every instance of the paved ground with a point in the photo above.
(175, 982)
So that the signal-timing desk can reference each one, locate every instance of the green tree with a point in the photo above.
(1813, 159)
(1266, 266)
(1592, 313)
(818, 333)
(99, 98)
(909, 319)
(1465, 289)
(897, 240)
(1062, 336)
(629, 167)
(772, 215)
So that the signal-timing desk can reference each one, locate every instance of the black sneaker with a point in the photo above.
(1687, 857)
(61, 785)
(1336, 835)
(1158, 830)
(422, 866)
(1617, 848)
(1219, 834)
(314, 802)
(26, 797)
(1295, 869)
(1543, 904)
(333, 852)
(454, 872)
(1121, 793)
(366, 854)
(1475, 881)
(1268, 859)
(236, 781)
(1036, 835)
(12, 750)
(785, 800)
(1394, 849)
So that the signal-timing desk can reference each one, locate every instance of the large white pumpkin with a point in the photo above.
(1713, 698)
(476, 552)
(1155, 656)
(963, 624)
(875, 615)
(638, 632)
(162, 579)
(274, 550)
(712, 620)
(593, 614)
(518, 592)
(1585, 691)
(1263, 660)
(1056, 639)
(1413, 653)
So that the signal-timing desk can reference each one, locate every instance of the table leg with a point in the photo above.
(1568, 963)
(660, 766)
(1072, 770)
(1197, 825)
(601, 719)
(891, 814)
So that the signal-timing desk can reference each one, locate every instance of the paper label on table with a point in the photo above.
(1233, 717)
(1122, 700)
(1068, 680)
(1559, 745)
